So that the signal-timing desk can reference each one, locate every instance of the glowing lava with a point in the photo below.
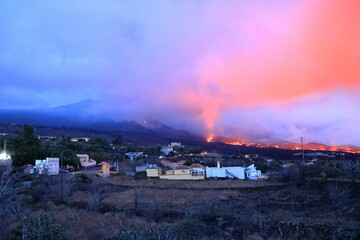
(294, 146)
(210, 139)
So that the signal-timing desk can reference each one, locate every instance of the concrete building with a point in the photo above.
(180, 172)
(175, 144)
(197, 169)
(170, 164)
(105, 169)
(172, 147)
(167, 150)
(86, 161)
(252, 173)
(141, 168)
(83, 139)
(47, 138)
(199, 172)
(134, 155)
(225, 172)
(183, 173)
(249, 172)
(48, 166)
(153, 170)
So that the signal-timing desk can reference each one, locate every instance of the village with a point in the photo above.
(171, 189)
(174, 161)
(164, 169)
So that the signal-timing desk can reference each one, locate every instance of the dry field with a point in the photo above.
(190, 184)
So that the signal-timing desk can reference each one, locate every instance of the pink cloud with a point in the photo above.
(310, 47)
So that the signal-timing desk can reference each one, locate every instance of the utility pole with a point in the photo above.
(302, 149)
(61, 176)
(117, 165)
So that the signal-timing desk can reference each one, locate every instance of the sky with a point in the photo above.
(250, 69)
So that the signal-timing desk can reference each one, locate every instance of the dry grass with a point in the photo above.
(193, 205)
(121, 201)
(190, 184)
(82, 224)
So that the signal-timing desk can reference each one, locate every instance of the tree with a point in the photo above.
(27, 147)
(98, 144)
(70, 158)
(117, 141)
(189, 162)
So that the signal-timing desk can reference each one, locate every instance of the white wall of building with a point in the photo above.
(225, 172)
(49, 166)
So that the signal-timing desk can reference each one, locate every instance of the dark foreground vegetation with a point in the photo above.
(290, 205)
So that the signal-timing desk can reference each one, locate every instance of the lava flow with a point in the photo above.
(290, 146)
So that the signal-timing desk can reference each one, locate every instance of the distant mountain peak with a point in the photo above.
(152, 123)
(78, 105)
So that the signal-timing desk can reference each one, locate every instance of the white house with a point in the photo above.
(134, 155)
(252, 173)
(249, 172)
(225, 172)
(84, 139)
(176, 145)
(170, 164)
(86, 161)
(47, 137)
(48, 166)
(167, 150)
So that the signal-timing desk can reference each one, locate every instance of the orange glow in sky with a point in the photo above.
(312, 47)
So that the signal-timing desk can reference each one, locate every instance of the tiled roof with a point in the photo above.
(196, 165)
(103, 163)
(167, 162)
(181, 167)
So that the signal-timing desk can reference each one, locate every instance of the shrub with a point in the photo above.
(281, 215)
(51, 188)
(323, 171)
(82, 178)
(337, 195)
(10, 204)
(40, 226)
(285, 175)
(156, 233)
(97, 195)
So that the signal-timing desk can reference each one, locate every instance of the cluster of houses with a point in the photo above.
(166, 170)
(51, 166)
(171, 148)
(178, 171)
(74, 139)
